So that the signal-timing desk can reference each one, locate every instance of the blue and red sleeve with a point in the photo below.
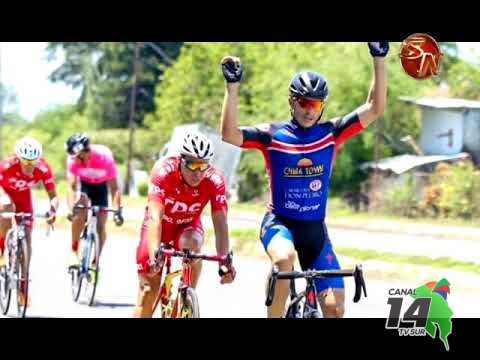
(346, 128)
(254, 138)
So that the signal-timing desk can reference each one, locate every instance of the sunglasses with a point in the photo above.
(28, 162)
(316, 105)
(196, 165)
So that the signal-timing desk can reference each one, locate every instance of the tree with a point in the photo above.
(104, 72)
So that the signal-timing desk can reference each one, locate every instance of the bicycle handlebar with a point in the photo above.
(100, 208)
(11, 214)
(23, 215)
(188, 254)
(357, 274)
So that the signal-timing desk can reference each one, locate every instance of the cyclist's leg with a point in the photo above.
(78, 221)
(148, 290)
(99, 196)
(331, 291)
(192, 237)
(149, 284)
(25, 205)
(6, 204)
(278, 243)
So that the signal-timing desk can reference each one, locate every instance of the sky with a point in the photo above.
(24, 67)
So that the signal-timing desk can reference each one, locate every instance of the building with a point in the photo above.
(449, 126)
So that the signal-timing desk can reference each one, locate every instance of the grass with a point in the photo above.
(441, 262)
(245, 242)
(337, 209)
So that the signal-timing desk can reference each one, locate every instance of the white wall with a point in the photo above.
(438, 122)
(471, 134)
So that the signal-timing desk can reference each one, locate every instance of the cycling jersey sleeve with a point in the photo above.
(218, 199)
(71, 168)
(256, 137)
(111, 167)
(347, 127)
(156, 189)
(47, 177)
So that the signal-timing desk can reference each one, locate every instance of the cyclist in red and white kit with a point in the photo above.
(180, 188)
(18, 173)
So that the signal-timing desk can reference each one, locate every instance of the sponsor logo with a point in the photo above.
(303, 171)
(315, 185)
(292, 205)
(221, 198)
(92, 173)
(181, 207)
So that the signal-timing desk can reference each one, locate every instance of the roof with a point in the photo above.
(442, 102)
(402, 163)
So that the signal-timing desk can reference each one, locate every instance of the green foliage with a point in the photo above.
(253, 180)
(104, 72)
(454, 191)
(402, 198)
(143, 189)
(52, 128)
(465, 80)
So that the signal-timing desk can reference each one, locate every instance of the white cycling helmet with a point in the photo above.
(28, 148)
(198, 146)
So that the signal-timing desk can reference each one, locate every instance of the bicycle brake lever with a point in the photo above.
(271, 286)
(359, 284)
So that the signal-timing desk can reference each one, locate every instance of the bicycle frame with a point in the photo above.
(90, 242)
(170, 304)
(89, 232)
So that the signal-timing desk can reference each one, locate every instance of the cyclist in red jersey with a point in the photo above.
(18, 173)
(180, 188)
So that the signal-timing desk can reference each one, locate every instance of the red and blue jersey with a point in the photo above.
(299, 162)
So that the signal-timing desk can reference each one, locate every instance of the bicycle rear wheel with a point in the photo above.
(22, 280)
(188, 305)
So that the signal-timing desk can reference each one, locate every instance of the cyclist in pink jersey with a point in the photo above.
(91, 172)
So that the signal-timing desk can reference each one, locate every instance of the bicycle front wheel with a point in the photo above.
(92, 274)
(5, 279)
(188, 306)
(76, 283)
(5, 290)
(22, 281)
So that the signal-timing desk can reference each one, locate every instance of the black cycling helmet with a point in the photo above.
(76, 143)
(309, 84)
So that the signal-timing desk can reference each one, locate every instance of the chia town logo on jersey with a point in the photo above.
(304, 168)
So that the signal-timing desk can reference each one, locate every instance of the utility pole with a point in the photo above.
(131, 122)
